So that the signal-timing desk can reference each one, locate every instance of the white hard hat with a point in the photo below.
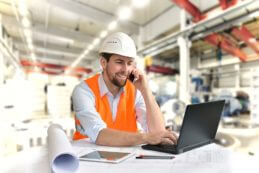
(119, 43)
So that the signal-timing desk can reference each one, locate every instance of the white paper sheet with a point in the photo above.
(61, 156)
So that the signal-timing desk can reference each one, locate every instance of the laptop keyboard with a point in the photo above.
(167, 146)
(161, 147)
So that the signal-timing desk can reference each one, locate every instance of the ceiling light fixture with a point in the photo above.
(30, 46)
(254, 14)
(90, 47)
(112, 25)
(29, 40)
(86, 52)
(22, 8)
(27, 33)
(33, 57)
(140, 3)
(96, 41)
(124, 13)
(103, 34)
(26, 22)
(23, 11)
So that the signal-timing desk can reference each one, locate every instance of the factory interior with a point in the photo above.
(191, 51)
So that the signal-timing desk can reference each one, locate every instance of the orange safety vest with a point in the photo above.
(126, 116)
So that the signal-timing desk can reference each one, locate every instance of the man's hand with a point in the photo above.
(163, 137)
(112, 137)
(140, 80)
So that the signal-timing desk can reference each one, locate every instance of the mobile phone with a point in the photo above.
(131, 77)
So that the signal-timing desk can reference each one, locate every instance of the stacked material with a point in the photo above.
(58, 101)
(37, 94)
(38, 99)
(255, 96)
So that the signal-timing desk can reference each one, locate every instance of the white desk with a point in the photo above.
(210, 158)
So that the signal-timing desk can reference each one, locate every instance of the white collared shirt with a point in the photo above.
(84, 106)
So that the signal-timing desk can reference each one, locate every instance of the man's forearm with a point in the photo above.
(111, 137)
(155, 120)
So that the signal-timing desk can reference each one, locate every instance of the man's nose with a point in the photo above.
(126, 67)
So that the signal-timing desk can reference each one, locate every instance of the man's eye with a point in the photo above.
(130, 64)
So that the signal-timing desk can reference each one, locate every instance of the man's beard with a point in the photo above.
(115, 81)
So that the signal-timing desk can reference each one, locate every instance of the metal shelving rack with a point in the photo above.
(255, 96)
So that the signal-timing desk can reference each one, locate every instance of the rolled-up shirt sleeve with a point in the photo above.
(84, 107)
(141, 113)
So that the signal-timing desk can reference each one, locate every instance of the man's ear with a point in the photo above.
(103, 62)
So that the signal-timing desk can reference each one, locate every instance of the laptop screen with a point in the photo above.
(200, 123)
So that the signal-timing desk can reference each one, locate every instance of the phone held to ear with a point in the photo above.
(131, 77)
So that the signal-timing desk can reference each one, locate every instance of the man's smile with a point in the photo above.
(121, 77)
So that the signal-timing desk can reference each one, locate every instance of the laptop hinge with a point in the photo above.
(187, 148)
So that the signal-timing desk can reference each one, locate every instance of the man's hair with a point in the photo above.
(106, 56)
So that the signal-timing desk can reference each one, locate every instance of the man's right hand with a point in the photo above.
(162, 137)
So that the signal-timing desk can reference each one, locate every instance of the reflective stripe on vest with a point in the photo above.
(125, 117)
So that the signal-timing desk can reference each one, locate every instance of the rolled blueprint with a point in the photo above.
(61, 156)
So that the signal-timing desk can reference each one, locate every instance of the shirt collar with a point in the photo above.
(103, 87)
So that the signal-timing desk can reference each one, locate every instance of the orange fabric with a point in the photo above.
(126, 116)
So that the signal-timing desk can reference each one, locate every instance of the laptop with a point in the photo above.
(199, 128)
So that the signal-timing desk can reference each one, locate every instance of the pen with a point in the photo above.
(154, 157)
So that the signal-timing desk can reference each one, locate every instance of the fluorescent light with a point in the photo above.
(80, 58)
(29, 40)
(112, 25)
(61, 39)
(140, 3)
(86, 52)
(26, 22)
(27, 33)
(254, 14)
(103, 34)
(23, 9)
(96, 41)
(76, 61)
(124, 13)
(33, 57)
(22, 2)
(90, 47)
(30, 46)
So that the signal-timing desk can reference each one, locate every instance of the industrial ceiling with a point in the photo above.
(65, 32)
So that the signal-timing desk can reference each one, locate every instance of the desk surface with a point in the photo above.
(210, 158)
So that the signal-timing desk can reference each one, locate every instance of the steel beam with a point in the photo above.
(191, 9)
(214, 39)
(245, 35)
(27, 63)
(226, 45)
(227, 3)
(171, 39)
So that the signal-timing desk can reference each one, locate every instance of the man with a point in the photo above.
(108, 106)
